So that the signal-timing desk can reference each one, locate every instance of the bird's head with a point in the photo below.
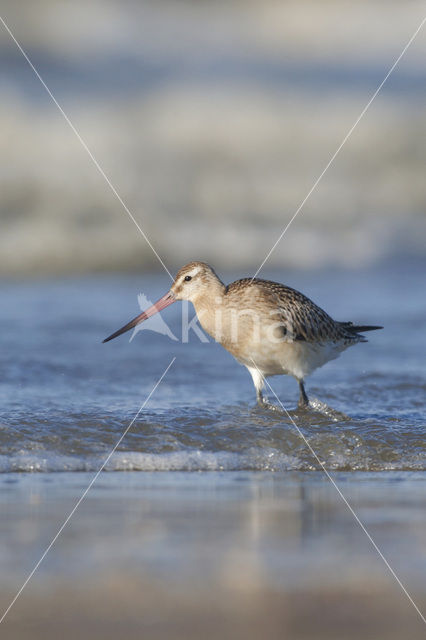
(192, 282)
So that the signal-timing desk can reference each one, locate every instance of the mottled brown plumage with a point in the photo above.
(270, 328)
(301, 318)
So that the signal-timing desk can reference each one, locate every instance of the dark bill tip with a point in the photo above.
(162, 303)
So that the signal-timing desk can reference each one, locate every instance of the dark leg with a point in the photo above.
(259, 382)
(303, 398)
(259, 397)
(264, 403)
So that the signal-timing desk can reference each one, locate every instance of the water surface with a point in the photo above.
(66, 398)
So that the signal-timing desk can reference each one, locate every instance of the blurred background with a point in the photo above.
(212, 120)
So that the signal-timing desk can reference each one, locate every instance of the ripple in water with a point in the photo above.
(238, 438)
(66, 399)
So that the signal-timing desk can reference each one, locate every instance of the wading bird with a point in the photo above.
(268, 327)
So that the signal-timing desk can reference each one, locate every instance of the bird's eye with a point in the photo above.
(187, 278)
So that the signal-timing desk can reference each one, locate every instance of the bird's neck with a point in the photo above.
(210, 308)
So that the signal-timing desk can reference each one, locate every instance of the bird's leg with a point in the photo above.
(263, 402)
(259, 397)
(259, 383)
(303, 398)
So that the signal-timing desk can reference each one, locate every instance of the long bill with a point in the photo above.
(162, 303)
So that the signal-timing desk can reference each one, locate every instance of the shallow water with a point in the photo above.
(239, 555)
(260, 542)
(66, 398)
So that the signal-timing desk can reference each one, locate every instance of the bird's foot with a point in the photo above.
(303, 404)
(271, 407)
(265, 404)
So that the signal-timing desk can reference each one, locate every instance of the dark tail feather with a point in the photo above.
(359, 328)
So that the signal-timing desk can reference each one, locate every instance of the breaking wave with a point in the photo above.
(257, 443)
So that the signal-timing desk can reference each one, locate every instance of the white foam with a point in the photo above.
(252, 459)
(320, 407)
(196, 460)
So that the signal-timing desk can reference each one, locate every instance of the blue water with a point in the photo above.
(66, 398)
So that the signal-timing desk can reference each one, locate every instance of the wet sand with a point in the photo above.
(213, 555)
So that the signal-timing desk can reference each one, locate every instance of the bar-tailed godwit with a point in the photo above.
(268, 327)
